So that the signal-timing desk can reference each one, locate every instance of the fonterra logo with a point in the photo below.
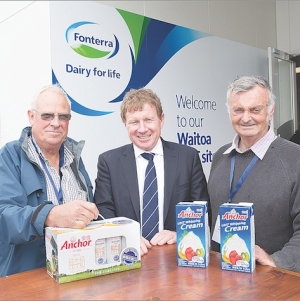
(189, 213)
(233, 215)
(75, 243)
(88, 39)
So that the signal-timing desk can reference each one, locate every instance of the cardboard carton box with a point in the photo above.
(193, 234)
(237, 237)
(103, 247)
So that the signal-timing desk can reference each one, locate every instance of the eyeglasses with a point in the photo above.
(50, 116)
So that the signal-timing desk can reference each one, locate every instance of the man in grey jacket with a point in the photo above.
(273, 183)
(43, 183)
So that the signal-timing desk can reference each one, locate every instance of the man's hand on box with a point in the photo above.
(75, 214)
(164, 237)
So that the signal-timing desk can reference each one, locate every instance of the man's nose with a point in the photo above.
(142, 126)
(55, 121)
(246, 115)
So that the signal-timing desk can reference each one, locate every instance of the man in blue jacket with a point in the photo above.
(43, 183)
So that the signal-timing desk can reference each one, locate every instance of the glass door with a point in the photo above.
(282, 78)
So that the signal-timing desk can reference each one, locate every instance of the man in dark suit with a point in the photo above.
(121, 171)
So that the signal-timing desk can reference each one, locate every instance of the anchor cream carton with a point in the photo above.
(237, 237)
(193, 234)
(103, 247)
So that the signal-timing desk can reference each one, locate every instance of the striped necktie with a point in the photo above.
(150, 200)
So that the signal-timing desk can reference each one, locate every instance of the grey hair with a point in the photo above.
(247, 83)
(54, 88)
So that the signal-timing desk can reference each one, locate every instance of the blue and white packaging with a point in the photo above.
(102, 247)
(237, 237)
(193, 234)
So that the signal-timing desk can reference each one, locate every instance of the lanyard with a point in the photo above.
(58, 193)
(242, 178)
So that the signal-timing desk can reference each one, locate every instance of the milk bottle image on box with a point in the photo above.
(193, 235)
(237, 237)
(100, 251)
(108, 250)
(114, 247)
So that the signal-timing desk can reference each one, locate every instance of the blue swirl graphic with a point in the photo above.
(159, 44)
(77, 107)
(75, 25)
(116, 48)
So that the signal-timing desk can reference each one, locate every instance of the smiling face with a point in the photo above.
(249, 114)
(50, 134)
(144, 127)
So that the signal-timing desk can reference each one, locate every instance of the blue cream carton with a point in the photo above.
(193, 234)
(237, 237)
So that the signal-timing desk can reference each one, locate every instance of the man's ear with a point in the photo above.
(271, 114)
(31, 116)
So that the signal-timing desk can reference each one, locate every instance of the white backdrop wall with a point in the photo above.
(198, 72)
(249, 22)
(259, 23)
(25, 61)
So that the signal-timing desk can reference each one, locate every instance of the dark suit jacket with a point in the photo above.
(117, 193)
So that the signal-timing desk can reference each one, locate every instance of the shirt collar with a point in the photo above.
(158, 149)
(259, 148)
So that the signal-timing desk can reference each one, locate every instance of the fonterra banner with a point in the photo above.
(100, 52)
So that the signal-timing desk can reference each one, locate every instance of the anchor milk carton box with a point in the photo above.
(237, 237)
(103, 247)
(193, 234)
